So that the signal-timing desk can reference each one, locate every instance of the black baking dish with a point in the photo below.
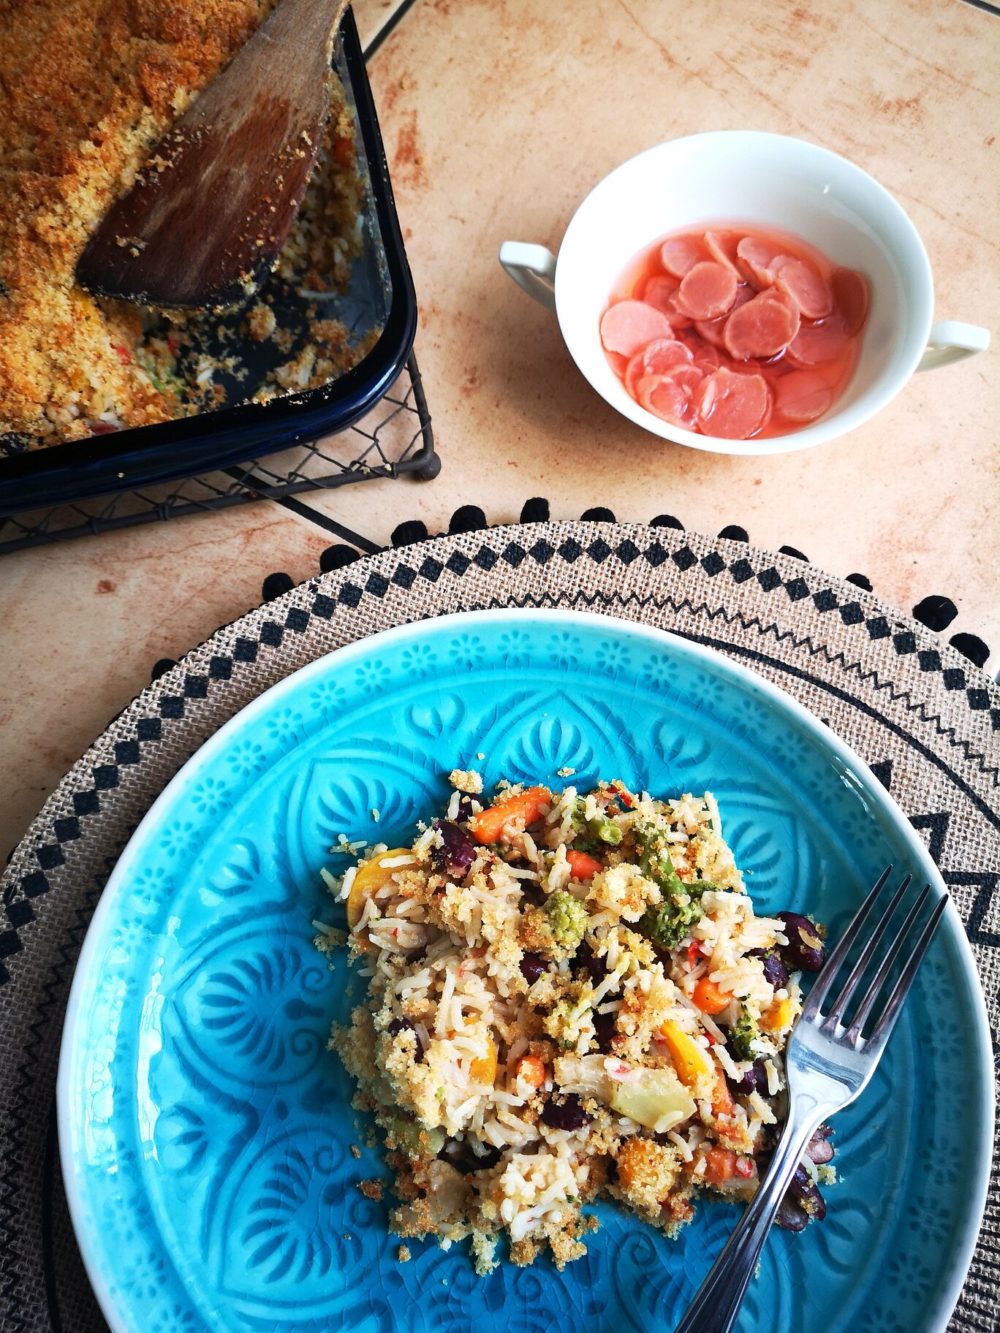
(381, 292)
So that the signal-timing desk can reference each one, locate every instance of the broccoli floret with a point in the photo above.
(567, 919)
(654, 859)
(600, 828)
(669, 921)
(741, 1034)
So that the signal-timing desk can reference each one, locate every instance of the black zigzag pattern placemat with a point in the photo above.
(924, 717)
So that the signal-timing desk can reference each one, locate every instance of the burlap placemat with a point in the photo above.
(924, 718)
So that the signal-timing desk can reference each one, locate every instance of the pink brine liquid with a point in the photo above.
(737, 332)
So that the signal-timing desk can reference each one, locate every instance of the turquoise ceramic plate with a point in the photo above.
(205, 1128)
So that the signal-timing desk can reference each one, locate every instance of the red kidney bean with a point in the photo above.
(532, 967)
(606, 1029)
(566, 1113)
(775, 971)
(805, 1192)
(820, 1149)
(805, 950)
(597, 968)
(790, 1217)
(398, 1025)
(457, 851)
(754, 1080)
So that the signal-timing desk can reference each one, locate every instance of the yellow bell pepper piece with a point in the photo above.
(484, 1068)
(371, 877)
(778, 1016)
(691, 1062)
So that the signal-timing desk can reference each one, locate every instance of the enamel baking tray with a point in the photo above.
(380, 295)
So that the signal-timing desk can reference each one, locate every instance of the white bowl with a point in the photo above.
(737, 176)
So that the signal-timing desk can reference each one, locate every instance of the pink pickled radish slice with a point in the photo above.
(754, 259)
(722, 247)
(629, 325)
(732, 406)
(816, 344)
(659, 293)
(808, 290)
(713, 330)
(688, 377)
(679, 254)
(802, 396)
(707, 359)
(707, 291)
(668, 398)
(656, 358)
(761, 328)
(850, 298)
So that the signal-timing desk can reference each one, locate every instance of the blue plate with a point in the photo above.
(205, 1128)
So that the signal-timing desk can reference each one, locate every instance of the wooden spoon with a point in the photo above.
(218, 194)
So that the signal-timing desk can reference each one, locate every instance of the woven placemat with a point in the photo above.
(924, 718)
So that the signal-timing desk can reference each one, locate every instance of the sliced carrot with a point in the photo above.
(527, 806)
(710, 998)
(531, 1070)
(722, 1098)
(581, 865)
(720, 1165)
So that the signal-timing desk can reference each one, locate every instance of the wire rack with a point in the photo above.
(395, 439)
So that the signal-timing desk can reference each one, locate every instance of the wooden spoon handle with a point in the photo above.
(218, 195)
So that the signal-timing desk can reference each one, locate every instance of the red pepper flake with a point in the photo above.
(694, 953)
(744, 1167)
(123, 354)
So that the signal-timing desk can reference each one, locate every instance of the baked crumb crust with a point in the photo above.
(86, 88)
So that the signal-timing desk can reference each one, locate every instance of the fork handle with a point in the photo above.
(715, 1307)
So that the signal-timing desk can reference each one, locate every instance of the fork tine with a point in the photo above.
(892, 953)
(835, 961)
(882, 1029)
(867, 954)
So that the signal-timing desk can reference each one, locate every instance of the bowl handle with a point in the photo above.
(952, 341)
(533, 268)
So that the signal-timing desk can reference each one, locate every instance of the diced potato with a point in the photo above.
(654, 1098)
(778, 1016)
(371, 877)
(583, 1074)
(690, 1060)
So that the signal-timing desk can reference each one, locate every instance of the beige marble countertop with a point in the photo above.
(498, 117)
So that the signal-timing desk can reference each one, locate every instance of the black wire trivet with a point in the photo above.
(394, 440)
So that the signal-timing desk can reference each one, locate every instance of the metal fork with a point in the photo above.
(828, 1063)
